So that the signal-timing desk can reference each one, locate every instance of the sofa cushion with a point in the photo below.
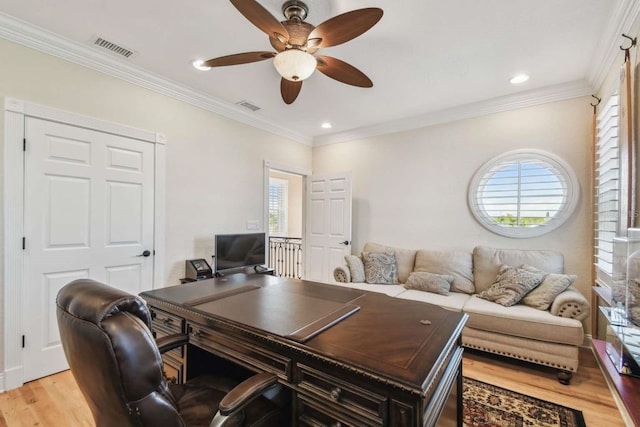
(451, 262)
(511, 285)
(429, 282)
(522, 321)
(405, 258)
(454, 301)
(356, 267)
(391, 290)
(487, 261)
(380, 267)
(542, 296)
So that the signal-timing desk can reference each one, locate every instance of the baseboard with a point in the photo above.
(2, 382)
(11, 378)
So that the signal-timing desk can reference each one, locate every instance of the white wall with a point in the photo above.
(214, 164)
(410, 188)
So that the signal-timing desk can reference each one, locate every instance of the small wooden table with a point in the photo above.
(349, 357)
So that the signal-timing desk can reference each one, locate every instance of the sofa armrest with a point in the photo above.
(571, 304)
(342, 274)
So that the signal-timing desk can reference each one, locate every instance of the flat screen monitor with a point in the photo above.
(236, 251)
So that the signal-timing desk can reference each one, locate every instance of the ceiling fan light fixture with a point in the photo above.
(198, 64)
(294, 64)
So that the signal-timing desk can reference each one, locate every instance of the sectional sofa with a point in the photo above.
(549, 337)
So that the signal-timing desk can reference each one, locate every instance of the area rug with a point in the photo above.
(486, 405)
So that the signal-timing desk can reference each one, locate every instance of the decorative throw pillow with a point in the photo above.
(430, 282)
(356, 268)
(380, 268)
(553, 285)
(511, 285)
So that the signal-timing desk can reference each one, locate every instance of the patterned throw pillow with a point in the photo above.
(429, 282)
(380, 268)
(511, 285)
(553, 285)
(356, 268)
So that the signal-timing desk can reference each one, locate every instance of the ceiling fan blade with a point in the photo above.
(261, 18)
(343, 72)
(239, 58)
(289, 90)
(347, 26)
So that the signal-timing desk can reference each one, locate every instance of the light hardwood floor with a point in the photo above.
(55, 401)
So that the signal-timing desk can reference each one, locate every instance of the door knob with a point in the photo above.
(145, 254)
(346, 243)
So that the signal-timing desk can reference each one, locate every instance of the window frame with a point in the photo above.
(610, 221)
(562, 168)
(282, 208)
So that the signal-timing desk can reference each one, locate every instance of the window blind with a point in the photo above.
(522, 193)
(278, 206)
(607, 187)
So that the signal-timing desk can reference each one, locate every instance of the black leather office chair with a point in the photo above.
(117, 365)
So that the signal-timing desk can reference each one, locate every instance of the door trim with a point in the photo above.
(268, 166)
(15, 112)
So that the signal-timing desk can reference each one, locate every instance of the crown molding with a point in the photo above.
(626, 14)
(496, 105)
(26, 34)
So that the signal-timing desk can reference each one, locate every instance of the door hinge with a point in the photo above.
(24, 243)
(23, 341)
(24, 144)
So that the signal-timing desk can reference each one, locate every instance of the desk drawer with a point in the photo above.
(348, 396)
(169, 322)
(172, 370)
(312, 414)
(244, 353)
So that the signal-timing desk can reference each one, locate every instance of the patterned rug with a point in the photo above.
(486, 405)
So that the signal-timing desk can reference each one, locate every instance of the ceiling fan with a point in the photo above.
(296, 42)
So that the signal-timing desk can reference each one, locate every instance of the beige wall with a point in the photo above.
(410, 188)
(214, 164)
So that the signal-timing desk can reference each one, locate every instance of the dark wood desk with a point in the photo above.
(378, 366)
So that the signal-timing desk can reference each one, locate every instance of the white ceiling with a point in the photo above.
(425, 57)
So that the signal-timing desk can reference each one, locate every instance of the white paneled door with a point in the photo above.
(328, 224)
(89, 209)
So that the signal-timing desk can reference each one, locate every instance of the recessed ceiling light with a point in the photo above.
(520, 78)
(326, 125)
(198, 65)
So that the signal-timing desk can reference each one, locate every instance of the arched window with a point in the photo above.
(523, 193)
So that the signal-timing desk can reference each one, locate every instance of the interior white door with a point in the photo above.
(89, 212)
(328, 224)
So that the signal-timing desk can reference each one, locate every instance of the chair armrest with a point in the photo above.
(171, 341)
(342, 274)
(240, 396)
(571, 304)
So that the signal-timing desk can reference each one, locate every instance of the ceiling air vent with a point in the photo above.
(248, 105)
(113, 47)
